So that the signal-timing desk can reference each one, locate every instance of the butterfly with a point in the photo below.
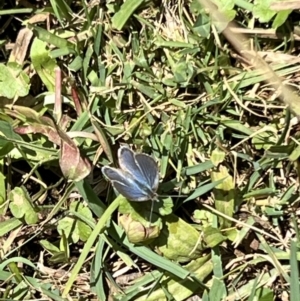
(137, 178)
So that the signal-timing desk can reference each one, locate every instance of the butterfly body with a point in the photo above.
(137, 179)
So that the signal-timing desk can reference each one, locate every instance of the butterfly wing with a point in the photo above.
(128, 163)
(149, 169)
(142, 167)
(125, 184)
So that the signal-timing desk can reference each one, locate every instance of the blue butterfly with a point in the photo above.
(137, 179)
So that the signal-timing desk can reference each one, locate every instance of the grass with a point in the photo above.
(215, 105)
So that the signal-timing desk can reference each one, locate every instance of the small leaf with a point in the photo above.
(217, 291)
(84, 230)
(13, 81)
(51, 248)
(196, 7)
(202, 25)
(72, 164)
(43, 64)
(281, 18)
(264, 140)
(68, 226)
(74, 228)
(204, 217)
(174, 243)
(217, 156)
(227, 8)
(212, 236)
(59, 257)
(262, 10)
(136, 231)
(21, 205)
(224, 194)
(167, 207)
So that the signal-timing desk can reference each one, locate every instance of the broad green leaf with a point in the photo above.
(182, 289)
(68, 226)
(212, 236)
(264, 140)
(21, 205)
(73, 227)
(43, 64)
(224, 195)
(217, 156)
(6, 130)
(264, 294)
(280, 18)
(174, 244)
(226, 7)
(218, 290)
(204, 217)
(14, 82)
(136, 232)
(262, 11)
(202, 25)
(196, 7)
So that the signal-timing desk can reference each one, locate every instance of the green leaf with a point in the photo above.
(264, 140)
(204, 217)
(295, 154)
(61, 10)
(264, 294)
(73, 227)
(183, 289)
(2, 193)
(280, 18)
(196, 7)
(224, 195)
(212, 236)
(217, 156)
(51, 248)
(218, 290)
(21, 205)
(202, 189)
(294, 282)
(43, 64)
(237, 126)
(227, 8)
(125, 12)
(9, 225)
(14, 82)
(262, 11)
(68, 226)
(173, 242)
(202, 25)
(7, 131)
